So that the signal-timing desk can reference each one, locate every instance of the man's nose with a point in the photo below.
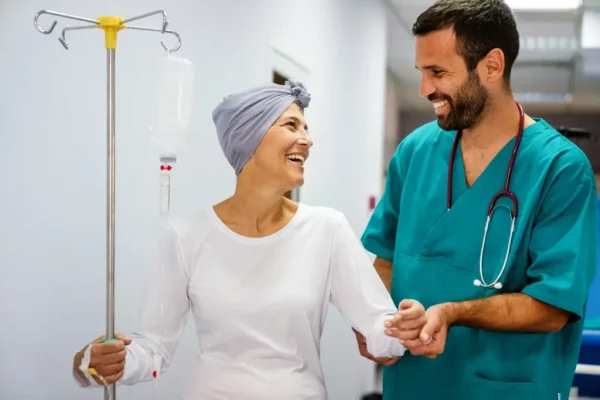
(426, 87)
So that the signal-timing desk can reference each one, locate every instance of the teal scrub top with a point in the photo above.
(435, 255)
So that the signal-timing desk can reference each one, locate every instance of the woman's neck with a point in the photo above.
(255, 210)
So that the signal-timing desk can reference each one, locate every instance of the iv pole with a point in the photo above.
(111, 26)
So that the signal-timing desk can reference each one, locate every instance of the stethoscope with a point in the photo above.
(505, 192)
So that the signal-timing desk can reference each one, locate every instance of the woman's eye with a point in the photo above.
(292, 124)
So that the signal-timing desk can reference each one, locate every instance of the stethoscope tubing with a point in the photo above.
(505, 192)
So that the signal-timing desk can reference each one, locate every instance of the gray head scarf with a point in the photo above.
(242, 119)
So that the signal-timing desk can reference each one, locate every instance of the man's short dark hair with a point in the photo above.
(479, 26)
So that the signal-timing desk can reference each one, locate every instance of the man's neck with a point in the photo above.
(499, 124)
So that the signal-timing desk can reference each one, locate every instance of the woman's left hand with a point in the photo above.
(408, 321)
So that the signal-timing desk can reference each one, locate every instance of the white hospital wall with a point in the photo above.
(52, 147)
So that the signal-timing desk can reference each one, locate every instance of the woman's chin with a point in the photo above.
(298, 180)
(295, 183)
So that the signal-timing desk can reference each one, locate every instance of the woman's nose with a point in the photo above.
(307, 141)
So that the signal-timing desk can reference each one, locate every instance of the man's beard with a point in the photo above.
(467, 109)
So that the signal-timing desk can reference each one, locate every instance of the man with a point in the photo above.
(493, 332)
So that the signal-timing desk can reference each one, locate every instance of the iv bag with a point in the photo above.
(174, 103)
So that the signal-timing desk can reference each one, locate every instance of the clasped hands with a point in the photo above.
(421, 332)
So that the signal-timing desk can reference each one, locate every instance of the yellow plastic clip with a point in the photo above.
(111, 25)
(92, 371)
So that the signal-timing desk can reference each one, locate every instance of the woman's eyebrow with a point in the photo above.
(297, 121)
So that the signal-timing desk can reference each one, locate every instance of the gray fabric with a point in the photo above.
(242, 119)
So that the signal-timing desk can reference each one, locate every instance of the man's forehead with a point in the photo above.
(436, 45)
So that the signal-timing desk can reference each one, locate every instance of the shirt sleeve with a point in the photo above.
(379, 237)
(163, 315)
(359, 294)
(563, 245)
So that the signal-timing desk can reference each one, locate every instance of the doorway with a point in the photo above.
(279, 78)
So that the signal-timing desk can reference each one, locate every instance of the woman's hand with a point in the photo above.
(432, 339)
(108, 359)
(406, 325)
(362, 348)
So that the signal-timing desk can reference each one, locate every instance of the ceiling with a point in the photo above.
(558, 68)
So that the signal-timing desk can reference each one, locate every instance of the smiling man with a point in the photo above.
(488, 219)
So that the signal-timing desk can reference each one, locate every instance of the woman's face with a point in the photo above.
(279, 158)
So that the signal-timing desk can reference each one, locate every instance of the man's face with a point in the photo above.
(458, 97)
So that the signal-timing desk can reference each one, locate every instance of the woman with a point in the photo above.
(257, 271)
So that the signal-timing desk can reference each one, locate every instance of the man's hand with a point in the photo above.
(362, 347)
(408, 321)
(432, 338)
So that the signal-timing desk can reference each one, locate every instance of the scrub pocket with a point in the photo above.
(488, 389)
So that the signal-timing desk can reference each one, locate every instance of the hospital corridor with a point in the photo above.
(300, 200)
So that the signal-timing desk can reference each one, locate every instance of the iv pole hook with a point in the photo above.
(176, 47)
(63, 38)
(57, 14)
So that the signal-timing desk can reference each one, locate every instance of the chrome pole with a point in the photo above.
(110, 393)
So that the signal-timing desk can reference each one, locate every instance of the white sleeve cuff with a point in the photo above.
(381, 345)
(87, 381)
(81, 381)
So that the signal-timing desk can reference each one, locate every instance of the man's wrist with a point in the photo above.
(450, 312)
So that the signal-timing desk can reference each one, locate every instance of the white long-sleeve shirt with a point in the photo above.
(259, 305)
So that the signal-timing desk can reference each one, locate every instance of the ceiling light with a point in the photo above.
(543, 5)
(590, 34)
